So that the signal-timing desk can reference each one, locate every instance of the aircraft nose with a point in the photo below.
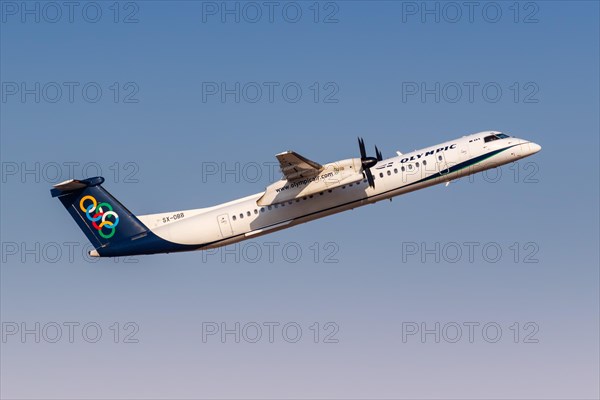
(534, 147)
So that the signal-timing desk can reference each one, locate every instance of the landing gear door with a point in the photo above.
(225, 225)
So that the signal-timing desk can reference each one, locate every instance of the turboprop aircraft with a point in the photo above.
(307, 191)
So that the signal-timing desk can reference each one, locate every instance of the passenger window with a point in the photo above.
(389, 172)
(424, 162)
(417, 165)
(409, 166)
(403, 169)
(248, 213)
(381, 174)
(255, 211)
(440, 158)
(241, 215)
(233, 218)
(262, 209)
(269, 207)
(395, 170)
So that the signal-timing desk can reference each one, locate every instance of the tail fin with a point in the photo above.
(101, 217)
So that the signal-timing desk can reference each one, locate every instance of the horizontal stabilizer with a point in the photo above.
(75, 184)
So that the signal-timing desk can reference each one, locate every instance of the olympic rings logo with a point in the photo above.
(100, 212)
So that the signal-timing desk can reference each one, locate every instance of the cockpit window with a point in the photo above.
(495, 137)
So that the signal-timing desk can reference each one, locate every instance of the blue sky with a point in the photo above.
(177, 104)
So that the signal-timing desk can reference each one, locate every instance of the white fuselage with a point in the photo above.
(243, 218)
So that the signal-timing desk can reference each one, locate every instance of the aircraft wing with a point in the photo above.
(294, 166)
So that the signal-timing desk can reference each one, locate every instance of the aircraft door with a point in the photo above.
(464, 152)
(225, 225)
(474, 148)
(443, 167)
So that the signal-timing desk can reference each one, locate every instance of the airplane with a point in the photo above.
(307, 191)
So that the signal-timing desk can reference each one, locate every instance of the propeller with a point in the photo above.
(368, 162)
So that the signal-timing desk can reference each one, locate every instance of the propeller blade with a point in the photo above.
(378, 154)
(370, 178)
(361, 145)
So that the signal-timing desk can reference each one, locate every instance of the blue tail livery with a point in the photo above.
(112, 229)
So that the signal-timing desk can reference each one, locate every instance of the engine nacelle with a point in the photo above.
(330, 176)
